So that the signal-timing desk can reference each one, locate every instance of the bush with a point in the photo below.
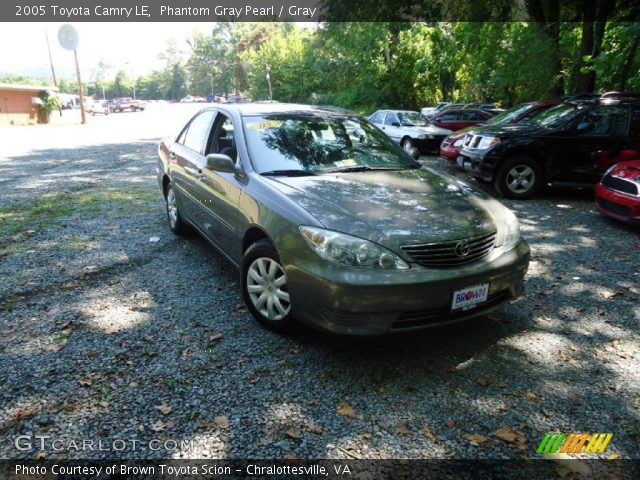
(50, 102)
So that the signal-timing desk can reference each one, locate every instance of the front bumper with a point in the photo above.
(617, 205)
(429, 145)
(364, 302)
(480, 164)
(449, 153)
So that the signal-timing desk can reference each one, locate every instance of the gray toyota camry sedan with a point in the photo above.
(331, 223)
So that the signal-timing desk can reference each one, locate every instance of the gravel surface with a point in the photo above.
(113, 330)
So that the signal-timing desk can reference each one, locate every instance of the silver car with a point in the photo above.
(331, 223)
(410, 129)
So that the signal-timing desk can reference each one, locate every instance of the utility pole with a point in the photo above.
(80, 93)
(53, 72)
(269, 82)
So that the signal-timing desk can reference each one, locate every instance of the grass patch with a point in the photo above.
(19, 222)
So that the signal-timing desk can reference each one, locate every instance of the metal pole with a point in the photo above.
(134, 82)
(269, 81)
(75, 55)
(53, 72)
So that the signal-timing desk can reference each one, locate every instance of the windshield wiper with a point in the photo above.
(363, 168)
(287, 173)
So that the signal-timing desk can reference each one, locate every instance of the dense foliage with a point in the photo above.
(365, 66)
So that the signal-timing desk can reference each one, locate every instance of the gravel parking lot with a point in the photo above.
(112, 328)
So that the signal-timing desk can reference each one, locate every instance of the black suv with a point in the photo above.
(574, 142)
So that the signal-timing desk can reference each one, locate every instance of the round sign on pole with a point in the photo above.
(68, 37)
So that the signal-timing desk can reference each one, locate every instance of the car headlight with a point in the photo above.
(509, 232)
(486, 142)
(350, 251)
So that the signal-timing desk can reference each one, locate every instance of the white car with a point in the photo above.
(98, 108)
(410, 129)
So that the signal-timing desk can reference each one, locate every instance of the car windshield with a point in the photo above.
(412, 119)
(304, 143)
(556, 116)
(508, 116)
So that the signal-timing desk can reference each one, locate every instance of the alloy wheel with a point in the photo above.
(520, 178)
(267, 288)
(172, 208)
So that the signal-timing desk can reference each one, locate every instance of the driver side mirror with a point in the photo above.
(218, 162)
(585, 127)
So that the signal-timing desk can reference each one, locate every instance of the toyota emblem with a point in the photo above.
(462, 248)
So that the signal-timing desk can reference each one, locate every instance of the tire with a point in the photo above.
(407, 144)
(482, 180)
(174, 218)
(264, 287)
(519, 177)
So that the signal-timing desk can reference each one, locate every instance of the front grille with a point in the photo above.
(621, 185)
(451, 253)
(472, 141)
(614, 207)
(338, 317)
(433, 316)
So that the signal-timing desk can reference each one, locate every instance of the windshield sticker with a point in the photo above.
(265, 125)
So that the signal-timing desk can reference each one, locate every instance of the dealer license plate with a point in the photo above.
(469, 297)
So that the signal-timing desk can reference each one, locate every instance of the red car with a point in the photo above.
(455, 119)
(450, 146)
(618, 193)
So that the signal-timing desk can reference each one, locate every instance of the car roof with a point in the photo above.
(396, 111)
(249, 109)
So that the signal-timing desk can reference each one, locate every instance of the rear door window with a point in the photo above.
(197, 133)
(449, 116)
(390, 119)
(608, 120)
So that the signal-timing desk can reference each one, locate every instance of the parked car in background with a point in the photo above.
(427, 111)
(573, 142)
(480, 106)
(450, 146)
(345, 232)
(458, 119)
(98, 108)
(618, 192)
(450, 106)
(409, 129)
(127, 103)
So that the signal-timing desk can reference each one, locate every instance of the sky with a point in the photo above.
(133, 47)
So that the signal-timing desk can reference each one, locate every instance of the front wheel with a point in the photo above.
(264, 287)
(519, 177)
(407, 145)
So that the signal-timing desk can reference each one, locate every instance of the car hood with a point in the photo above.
(507, 131)
(393, 208)
(629, 170)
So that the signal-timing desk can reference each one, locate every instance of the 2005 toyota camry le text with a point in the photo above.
(332, 224)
